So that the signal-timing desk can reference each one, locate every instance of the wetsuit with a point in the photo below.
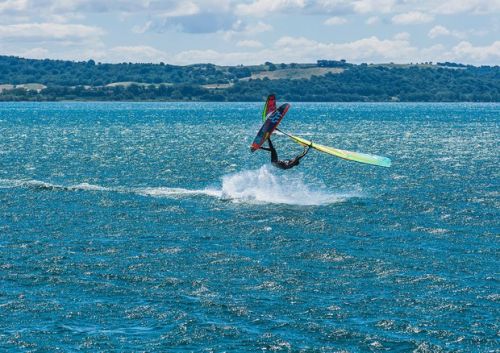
(290, 163)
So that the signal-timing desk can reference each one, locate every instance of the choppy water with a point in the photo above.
(151, 227)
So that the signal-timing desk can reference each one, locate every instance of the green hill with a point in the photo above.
(52, 80)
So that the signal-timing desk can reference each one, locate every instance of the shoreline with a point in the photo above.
(237, 102)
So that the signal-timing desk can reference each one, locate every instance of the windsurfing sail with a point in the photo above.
(269, 107)
(348, 155)
(271, 123)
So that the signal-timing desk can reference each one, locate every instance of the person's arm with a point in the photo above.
(274, 154)
(306, 149)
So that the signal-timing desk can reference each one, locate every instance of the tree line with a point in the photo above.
(67, 80)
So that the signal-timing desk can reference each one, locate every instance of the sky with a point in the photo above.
(247, 32)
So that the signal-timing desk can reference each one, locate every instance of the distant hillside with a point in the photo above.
(325, 80)
(293, 73)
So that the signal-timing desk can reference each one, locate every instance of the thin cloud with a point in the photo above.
(441, 31)
(71, 29)
(335, 21)
(183, 9)
(13, 5)
(451, 7)
(292, 49)
(372, 20)
(369, 6)
(467, 51)
(49, 32)
(141, 53)
(366, 49)
(412, 17)
(248, 30)
(202, 22)
(36, 53)
(249, 44)
(262, 8)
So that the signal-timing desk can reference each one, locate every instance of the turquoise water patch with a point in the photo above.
(151, 227)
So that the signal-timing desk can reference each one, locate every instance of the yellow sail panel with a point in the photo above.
(348, 155)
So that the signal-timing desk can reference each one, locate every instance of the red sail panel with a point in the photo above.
(269, 107)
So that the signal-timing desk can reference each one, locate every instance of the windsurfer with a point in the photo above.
(286, 164)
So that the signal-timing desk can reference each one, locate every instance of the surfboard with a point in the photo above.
(272, 121)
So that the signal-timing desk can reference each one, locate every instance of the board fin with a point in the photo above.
(348, 155)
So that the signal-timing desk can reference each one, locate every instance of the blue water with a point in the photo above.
(151, 227)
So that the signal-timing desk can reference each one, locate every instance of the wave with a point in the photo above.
(41, 185)
(90, 187)
(27, 183)
(171, 192)
(250, 186)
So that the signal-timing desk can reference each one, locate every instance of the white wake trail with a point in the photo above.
(260, 186)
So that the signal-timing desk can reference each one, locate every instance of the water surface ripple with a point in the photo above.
(151, 227)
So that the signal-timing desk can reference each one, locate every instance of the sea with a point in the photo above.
(151, 227)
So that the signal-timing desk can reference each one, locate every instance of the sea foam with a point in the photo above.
(263, 185)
